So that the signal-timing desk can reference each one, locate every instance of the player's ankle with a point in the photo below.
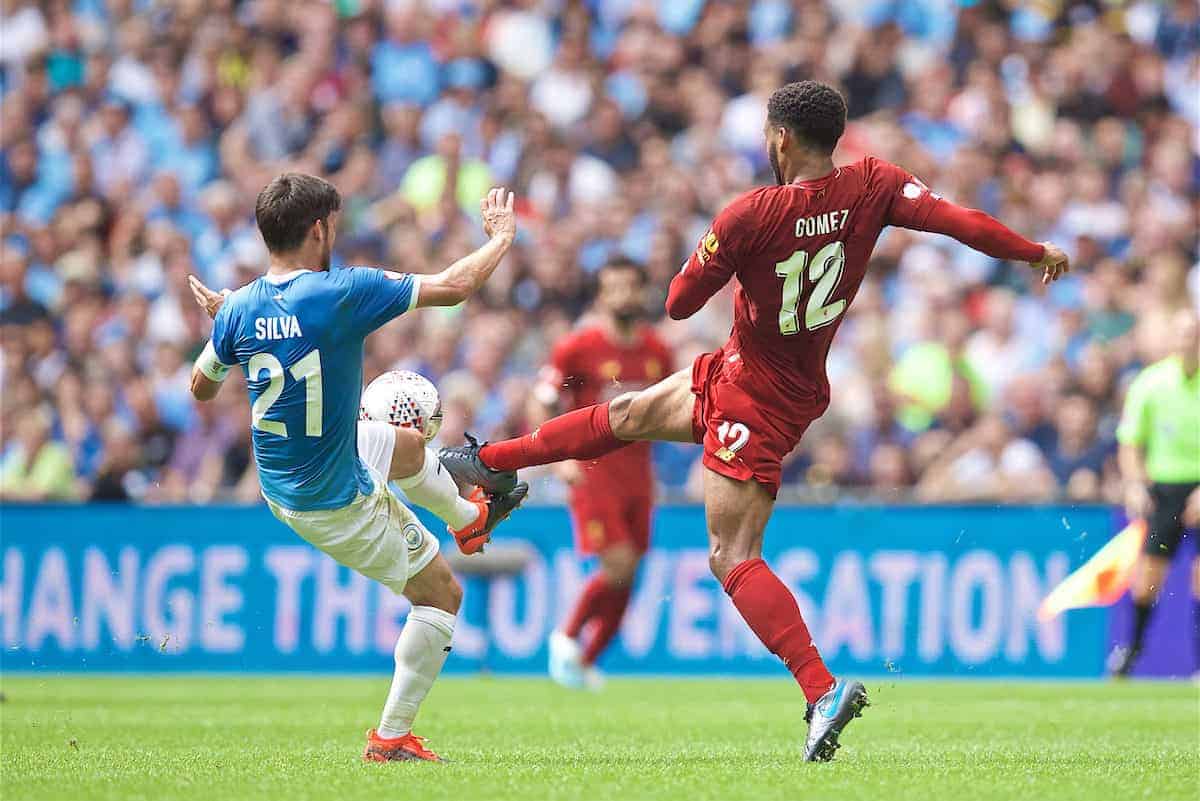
(384, 733)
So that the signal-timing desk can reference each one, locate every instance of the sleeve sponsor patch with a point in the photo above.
(914, 188)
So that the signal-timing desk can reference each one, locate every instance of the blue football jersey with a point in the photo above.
(299, 340)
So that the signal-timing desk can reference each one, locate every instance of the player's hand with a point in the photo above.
(499, 219)
(205, 298)
(1138, 503)
(1054, 263)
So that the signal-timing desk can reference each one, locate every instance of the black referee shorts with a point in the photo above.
(1165, 526)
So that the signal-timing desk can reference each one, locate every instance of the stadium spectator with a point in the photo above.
(35, 467)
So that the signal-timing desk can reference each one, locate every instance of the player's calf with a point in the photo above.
(420, 652)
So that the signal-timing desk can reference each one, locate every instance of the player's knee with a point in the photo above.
(620, 566)
(726, 554)
(721, 560)
(435, 586)
(628, 416)
(408, 457)
(445, 593)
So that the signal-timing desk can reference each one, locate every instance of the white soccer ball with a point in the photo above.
(404, 399)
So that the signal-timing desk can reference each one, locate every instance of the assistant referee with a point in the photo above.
(1159, 457)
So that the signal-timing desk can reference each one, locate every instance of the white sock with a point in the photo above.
(421, 650)
(433, 488)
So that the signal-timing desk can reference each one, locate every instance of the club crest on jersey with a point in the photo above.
(725, 454)
(413, 536)
(707, 247)
(277, 327)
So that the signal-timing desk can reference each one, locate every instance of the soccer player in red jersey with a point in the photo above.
(799, 251)
(611, 496)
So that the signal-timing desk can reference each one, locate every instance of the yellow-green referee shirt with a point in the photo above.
(1162, 417)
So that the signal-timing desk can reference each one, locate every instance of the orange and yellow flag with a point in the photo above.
(1101, 580)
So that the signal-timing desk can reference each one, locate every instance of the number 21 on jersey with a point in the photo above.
(824, 272)
(306, 369)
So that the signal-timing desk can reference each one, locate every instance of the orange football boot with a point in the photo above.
(409, 748)
(493, 508)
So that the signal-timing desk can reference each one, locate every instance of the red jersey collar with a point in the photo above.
(814, 181)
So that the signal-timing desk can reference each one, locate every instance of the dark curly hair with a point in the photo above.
(813, 111)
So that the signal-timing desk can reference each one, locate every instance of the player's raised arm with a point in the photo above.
(463, 278)
(915, 207)
(209, 371)
(709, 268)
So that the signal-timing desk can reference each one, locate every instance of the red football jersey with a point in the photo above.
(588, 366)
(799, 253)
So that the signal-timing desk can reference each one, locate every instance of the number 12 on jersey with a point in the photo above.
(824, 272)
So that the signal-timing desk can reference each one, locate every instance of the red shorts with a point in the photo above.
(602, 520)
(741, 440)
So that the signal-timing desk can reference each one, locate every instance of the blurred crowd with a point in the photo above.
(135, 134)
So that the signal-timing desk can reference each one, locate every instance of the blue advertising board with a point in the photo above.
(914, 590)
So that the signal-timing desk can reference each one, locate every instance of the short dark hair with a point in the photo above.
(813, 111)
(288, 206)
(620, 262)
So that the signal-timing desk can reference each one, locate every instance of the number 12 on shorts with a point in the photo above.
(824, 272)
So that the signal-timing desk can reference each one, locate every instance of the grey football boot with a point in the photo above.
(464, 464)
(829, 715)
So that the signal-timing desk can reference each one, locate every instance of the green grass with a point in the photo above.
(290, 738)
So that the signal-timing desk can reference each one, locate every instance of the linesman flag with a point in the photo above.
(1101, 580)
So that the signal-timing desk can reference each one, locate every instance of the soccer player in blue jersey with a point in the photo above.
(297, 332)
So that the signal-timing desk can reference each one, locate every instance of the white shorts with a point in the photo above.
(375, 534)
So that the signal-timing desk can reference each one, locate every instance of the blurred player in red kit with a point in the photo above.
(611, 495)
(799, 251)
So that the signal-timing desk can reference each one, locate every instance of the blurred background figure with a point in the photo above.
(1160, 465)
(611, 498)
(132, 145)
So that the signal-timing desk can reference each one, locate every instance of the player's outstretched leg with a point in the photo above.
(464, 464)
(421, 651)
(660, 412)
(580, 434)
(737, 513)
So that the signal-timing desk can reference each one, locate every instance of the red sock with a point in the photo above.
(608, 622)
(587, 606)
(582, 434)
(770, 609)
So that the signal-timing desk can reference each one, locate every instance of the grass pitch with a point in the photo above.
(68, 737)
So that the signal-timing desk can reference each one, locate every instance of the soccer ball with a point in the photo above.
(404, 399)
